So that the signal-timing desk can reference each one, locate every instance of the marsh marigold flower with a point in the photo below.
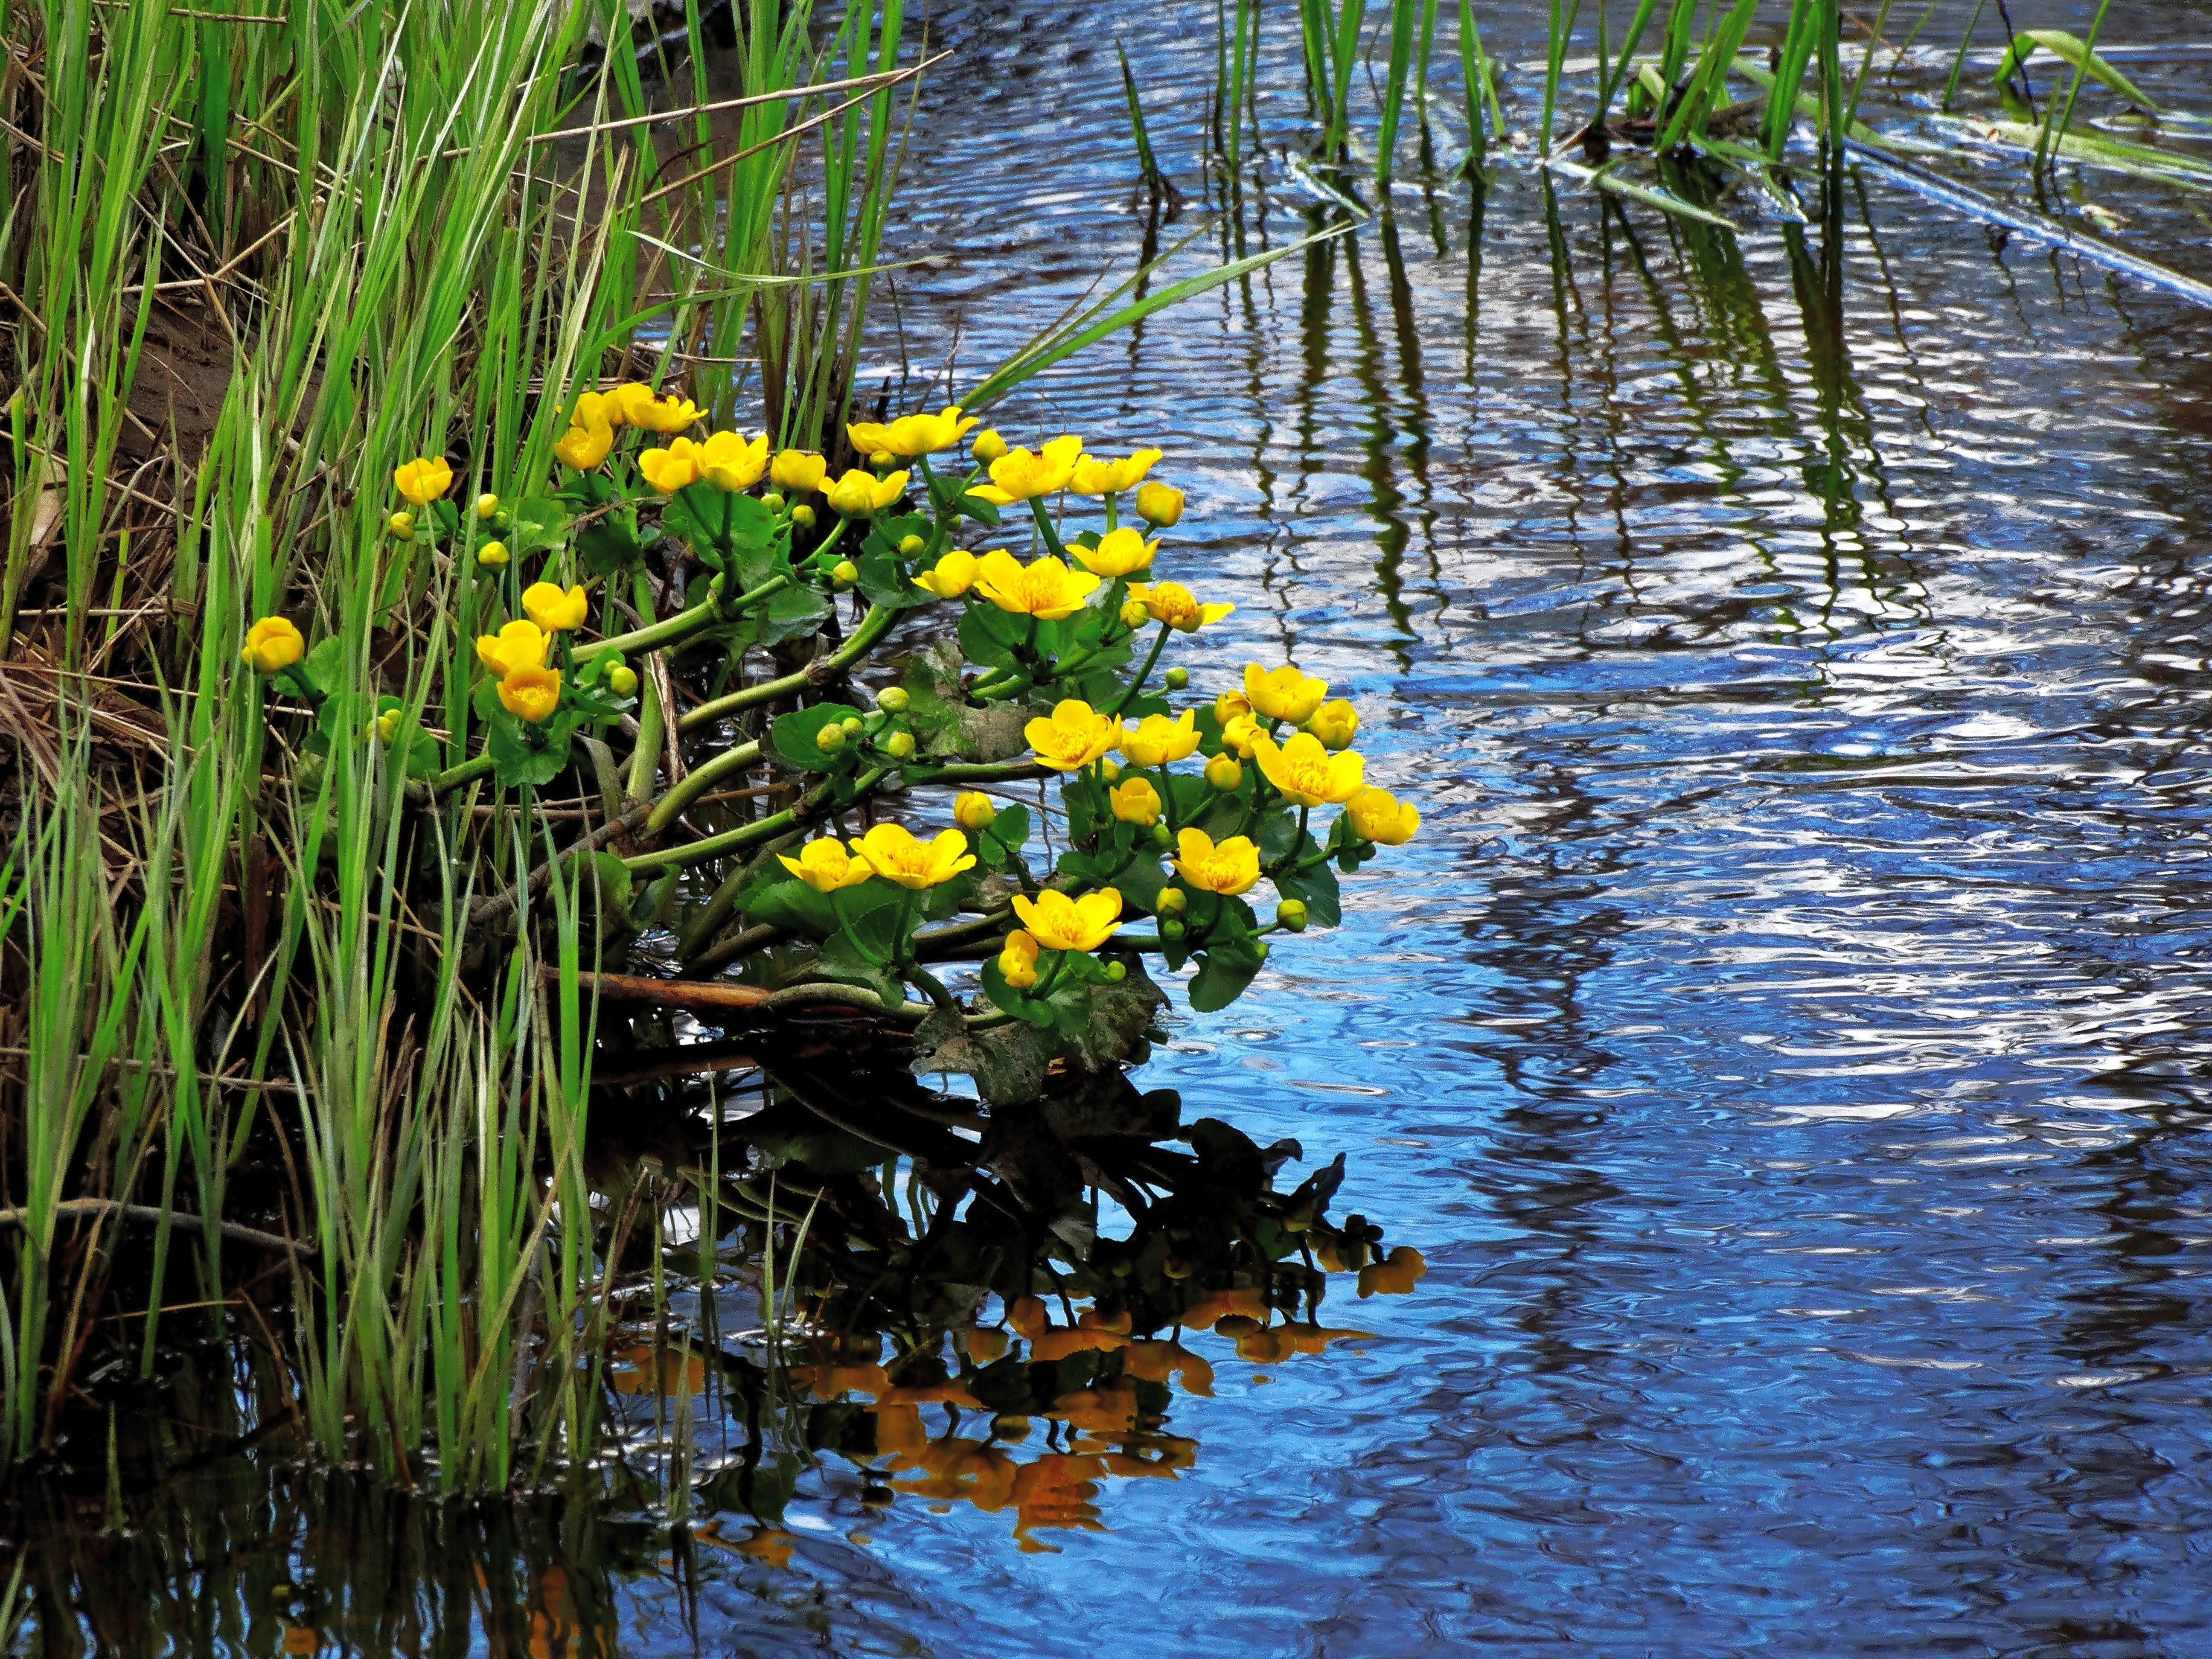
(826, 866)
(1155, 740)
(1283, 693)
(643, 411)
(987, 447)
(1230, 868)
(800, 472)
(857, 495)
(1382, 818)
(272, 645)
(1173, 604)
(492, 554)
(423, 480)
(974, 809)
(1073, 736)
(531, 693)
(1336, 722)
(1135, 802)
(597, 408)
(953, 574)
(1306, 773)
(894, 854)
(913, 435)
(730, 464)
(1119, 552)
(553, 610)
(1061, 923)
(680, 465)
(1045, 588)
(584, 447)
(1225, 773)
(1018, 476)
(1238, 736)
(518, 645)
(1134, 614)
(1094, 476)
(1159, 505)
(1018, 959)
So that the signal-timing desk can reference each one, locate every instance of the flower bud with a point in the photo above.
(987, 447)
(974, 811)
(899, 745)
(402, 526)
(1292, 914)
(843, 575)
(1260, 949)
(1134, 614)
(803, 516)
(384, 727)
(492, 554)
(829, 739)
(910, 546)
(1176, 1266)
(853, 725)
(1110, 771)
(772, 501)
(1159, 505)
(1176, 678)
(487, 504)
(1172, 901)
(892, 699)
(1225, 773)
(622, 679)
(1162, 835)
(1116, 972)
(883, 458)
(1170, 928)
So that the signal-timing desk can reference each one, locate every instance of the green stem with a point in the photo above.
(872, 629)
(683, 624)
(751, 834)
(1044, 528)
(1143, 674)
(698, 781)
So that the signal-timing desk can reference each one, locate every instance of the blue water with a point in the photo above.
(1787, 1040)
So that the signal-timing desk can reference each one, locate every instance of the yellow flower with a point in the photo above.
(531, 693)
(1335, 723)
(1061, 923)
(271, 646)
(1382, 818)
(492, 554)
(585, 445)
(896, 856)
(555, 612)
(1045, 589)
(869, 437)
(1155, 740)
(953, 574)
(1239, 735)
(730, 464)
(682, 464)
(1074, 735)
(1230, 704)
(1283, 693)
(925, 435)
(1306, 773)
(1118, 553)
(1136, 802)
(518, 645)
(798, 471)
(826, 866)
(1093, 476)
(1171, 603)
(974, 811)
(597, 408)
(487, 506)
(1159, 504)
(402, 526)
(987, 447)
(1018, 960)
(424, 480)
(1232, 868)
(640, 409)
(1018, 476)
(856, 496)
(1225, 773)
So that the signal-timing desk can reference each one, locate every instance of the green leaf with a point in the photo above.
(1224, 968)
(988, 635)
(322, 667)
(538, 522)
(794, 735)
(883, 580)
(516, 760)
(1031, 1010)
(789, 613)
(1315, 887)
